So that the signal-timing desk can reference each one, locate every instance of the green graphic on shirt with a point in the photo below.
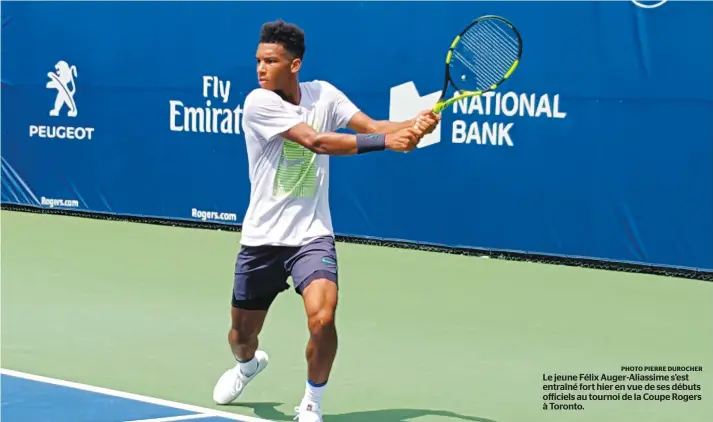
(297, 171)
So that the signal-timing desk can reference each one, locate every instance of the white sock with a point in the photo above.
(313, 393)
(249, 367)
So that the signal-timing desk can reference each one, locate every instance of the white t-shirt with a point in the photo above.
(289, 195)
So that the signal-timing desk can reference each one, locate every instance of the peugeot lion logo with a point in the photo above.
(60, 80)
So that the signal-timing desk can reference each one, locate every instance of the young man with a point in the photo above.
(287, 231)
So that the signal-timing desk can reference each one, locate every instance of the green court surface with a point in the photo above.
(424, 337)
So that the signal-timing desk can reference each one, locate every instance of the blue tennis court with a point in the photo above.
(32, 398)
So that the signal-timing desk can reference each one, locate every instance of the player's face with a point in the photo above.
(275, 66)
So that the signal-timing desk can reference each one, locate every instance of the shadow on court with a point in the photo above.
(269, 411)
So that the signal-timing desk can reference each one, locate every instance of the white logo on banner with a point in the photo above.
(650, 4)
(62, 81)
(470, 125)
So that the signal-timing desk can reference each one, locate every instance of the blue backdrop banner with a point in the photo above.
(600, 145)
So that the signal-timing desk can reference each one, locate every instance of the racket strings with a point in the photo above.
(487, 71)
(486, 43)
(499, 48)
(473, 67)
(507, 37)
(491, 51)
(487, 52)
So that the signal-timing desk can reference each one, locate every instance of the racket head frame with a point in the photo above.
(442, 102)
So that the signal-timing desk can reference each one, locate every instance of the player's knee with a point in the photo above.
(321, 320)
(320, 298)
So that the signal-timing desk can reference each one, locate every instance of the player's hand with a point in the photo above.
(427, 120)
(404, 140)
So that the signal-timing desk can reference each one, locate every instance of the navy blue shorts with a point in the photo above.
(261, 272)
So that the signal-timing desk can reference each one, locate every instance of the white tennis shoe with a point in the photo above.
(232, 383)
(308, 412)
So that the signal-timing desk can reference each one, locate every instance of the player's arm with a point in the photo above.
(332, 143)
(266, 115)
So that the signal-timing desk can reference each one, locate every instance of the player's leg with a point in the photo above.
(320, 302)
(259, 277)
(314, 272)
(246, 325)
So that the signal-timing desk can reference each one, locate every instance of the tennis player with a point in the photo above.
(289, 131)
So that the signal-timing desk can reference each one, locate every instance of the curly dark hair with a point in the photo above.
(290, 36)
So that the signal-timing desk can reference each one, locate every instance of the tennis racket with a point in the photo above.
(480, 59)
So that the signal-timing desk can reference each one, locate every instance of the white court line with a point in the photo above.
(175, 418)
(131, 396)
